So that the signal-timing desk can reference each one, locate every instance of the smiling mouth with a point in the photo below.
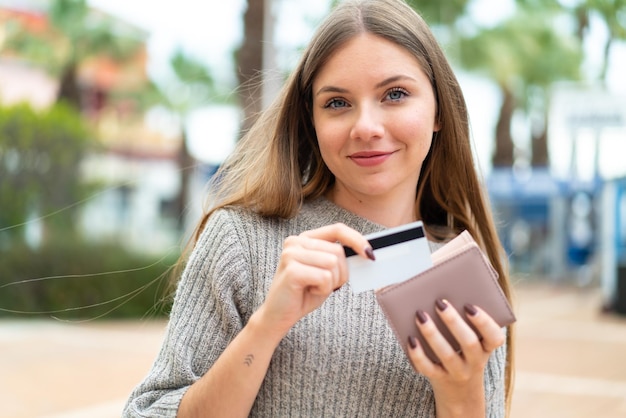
(370, 154)
(370, 158)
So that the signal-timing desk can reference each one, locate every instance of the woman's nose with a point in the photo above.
(368, 123)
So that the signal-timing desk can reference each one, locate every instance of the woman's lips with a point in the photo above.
(370, 158)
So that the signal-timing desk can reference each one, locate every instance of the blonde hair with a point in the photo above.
(277, 165)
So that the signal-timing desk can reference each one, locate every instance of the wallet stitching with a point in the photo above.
(380, 295)
(439, 265)
(394, 328)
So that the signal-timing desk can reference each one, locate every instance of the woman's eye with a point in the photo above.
(397, 94)
(336, 104)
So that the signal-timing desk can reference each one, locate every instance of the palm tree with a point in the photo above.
(612, 14)
(250, 64)
(523, 56)
(76, 34)
(193, 86)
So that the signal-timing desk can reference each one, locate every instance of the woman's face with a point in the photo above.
(374, 116)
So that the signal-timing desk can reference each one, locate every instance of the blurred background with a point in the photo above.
(114, 115)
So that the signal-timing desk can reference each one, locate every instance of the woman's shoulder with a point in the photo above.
(313, 214)
(244, 218)
(234, 223)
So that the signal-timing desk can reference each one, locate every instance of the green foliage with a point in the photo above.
(30, 47)
(190, 70)
(40, 155)
(440, 12)
(77, 34)
(73, 280)
(192, 86)
(90, 34)
(524, 50)
(613, 12)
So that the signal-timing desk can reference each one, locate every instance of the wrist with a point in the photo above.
(261, 323)
(465, 402)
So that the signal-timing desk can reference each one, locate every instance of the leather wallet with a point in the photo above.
(461, 274)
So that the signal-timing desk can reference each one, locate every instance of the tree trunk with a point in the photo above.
(250, 63)
(69, 91)
(503, 154)
(186, 164)
(606, 58)
(582, 21)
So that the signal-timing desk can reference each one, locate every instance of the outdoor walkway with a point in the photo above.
(571, 361)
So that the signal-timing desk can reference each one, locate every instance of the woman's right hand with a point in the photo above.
(312, 265)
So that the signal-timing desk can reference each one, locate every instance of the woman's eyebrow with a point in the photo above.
(385, 82)
(331, 89)
(394, 79)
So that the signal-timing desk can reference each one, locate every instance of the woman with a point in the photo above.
(370, 132)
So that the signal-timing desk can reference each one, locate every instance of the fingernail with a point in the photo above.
(370, 253)
(441, 304)
(412, 342)
(421, 316)
(470, 309)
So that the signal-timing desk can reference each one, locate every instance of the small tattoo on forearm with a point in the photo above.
(249, 359)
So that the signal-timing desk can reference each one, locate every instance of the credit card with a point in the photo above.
(401, 253)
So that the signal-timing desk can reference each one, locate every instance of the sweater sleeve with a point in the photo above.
(494, 384)
(206, 315)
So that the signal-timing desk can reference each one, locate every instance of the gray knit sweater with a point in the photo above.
(342, 360)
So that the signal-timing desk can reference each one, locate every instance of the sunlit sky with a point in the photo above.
(211, 31)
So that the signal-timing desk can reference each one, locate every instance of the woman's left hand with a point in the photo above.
(458, 381)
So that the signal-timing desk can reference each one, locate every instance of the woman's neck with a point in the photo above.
(384, 210)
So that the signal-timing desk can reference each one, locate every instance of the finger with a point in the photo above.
(309, 275)
(449, 358)
(319, 253)
(319, 282)
(492, 334)
(345, 235)
(420, 361)
(331, 248)
(318, 244)
(469, 342)
(315, 253)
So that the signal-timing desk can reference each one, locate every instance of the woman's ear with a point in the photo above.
(437, 126)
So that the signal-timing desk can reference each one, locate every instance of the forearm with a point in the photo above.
(231, 385)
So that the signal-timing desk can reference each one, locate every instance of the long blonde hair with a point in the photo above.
(277, 165)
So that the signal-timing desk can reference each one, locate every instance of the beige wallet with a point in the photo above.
(461, 274)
